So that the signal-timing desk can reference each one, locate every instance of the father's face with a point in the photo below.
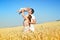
(29, 12)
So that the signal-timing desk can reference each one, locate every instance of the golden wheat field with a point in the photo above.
(44, 31)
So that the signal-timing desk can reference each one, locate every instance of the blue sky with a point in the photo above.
(45, 11)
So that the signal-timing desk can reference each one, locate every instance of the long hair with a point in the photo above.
(29, 18)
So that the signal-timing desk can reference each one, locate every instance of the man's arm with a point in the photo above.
(33, 21)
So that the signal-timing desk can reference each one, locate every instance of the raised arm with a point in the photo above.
(23, 14)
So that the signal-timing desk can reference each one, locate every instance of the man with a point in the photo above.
(33, 20)
(29, 19)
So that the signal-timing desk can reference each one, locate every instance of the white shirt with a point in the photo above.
(33, 17)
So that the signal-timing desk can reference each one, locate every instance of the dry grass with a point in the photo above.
(46, 31)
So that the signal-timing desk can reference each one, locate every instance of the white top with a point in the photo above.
(33, 17)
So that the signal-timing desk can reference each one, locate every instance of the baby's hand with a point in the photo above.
(22, 11)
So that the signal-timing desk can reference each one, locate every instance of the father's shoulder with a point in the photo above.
(33, 17)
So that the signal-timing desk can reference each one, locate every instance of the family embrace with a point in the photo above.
(29, 19)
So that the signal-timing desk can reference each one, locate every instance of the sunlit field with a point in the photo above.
(44, 31)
